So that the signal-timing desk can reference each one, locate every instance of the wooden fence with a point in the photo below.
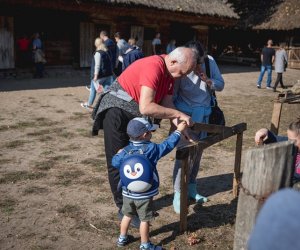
(267, 169)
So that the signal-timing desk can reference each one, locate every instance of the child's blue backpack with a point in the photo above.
(136, 171)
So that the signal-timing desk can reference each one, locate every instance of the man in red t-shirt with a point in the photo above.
(149, 83)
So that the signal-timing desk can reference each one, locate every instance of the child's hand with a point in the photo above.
(182, 126)
(260, 136)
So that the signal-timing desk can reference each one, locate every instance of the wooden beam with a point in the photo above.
(226, 133)
(266, 170)
(276, 117)
(237, 164)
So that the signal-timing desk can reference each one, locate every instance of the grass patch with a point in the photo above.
(60, 111)
(35, 190)
(60, 157)
(13, 177)
(47, 152)
(44, 165)
(67, 177)
(70, 147)
(65, 134)
(4, 128)
(45, 138)
(92, 181)
(91, 162)
(34, 101)
(7, 205)
(15, 144)
(68, 210)
(68, 94)
(84, 132)
(78, 116)
(39, 132)
(5, 161)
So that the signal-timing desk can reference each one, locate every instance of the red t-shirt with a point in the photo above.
(23, 44)
(151, 72)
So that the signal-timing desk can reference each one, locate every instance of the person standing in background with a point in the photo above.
(171, 46)
(38, 56)
(122, 47)
(281, 60)
(156, 45)
(267, 59)
(101, 72)
(23, 50)
(111, 47)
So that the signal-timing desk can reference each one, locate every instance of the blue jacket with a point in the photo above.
(153, 152)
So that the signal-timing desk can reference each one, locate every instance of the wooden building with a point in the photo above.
(284, 23)
(68, 28)
(259, 21)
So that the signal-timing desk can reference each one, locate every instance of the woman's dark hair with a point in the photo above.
(198, 47)
(295, 126)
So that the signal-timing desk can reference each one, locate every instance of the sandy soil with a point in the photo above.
(53, 181)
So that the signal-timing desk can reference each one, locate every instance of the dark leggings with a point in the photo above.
(115, 137)
(278, 80)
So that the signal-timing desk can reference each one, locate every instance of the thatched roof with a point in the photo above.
(286, 16)
(199, 7)
(268, 14)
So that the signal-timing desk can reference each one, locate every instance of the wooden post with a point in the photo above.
(237, 164)
(276, 117)
(267, 169)
(183, 156)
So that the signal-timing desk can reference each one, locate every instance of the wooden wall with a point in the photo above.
(6, 42)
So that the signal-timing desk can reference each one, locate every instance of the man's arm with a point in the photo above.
(273, 59)
(216, 77)
(166, 110)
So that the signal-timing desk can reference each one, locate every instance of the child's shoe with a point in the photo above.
(122, 241)
(194, 195)
(150, 246)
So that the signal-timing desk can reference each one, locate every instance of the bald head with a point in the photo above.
(181, 61)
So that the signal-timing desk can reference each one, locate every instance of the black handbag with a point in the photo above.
(217, 116)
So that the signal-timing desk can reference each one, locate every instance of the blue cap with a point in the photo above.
(138, 126)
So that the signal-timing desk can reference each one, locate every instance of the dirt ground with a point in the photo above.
(53, 180)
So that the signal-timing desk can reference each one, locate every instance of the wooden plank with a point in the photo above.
(237, 164)
(276, 117)
(7, 59)
(210, 140)
(184, 195)
(266, 170)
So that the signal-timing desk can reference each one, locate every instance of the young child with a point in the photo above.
(264, 136)
(141, 203)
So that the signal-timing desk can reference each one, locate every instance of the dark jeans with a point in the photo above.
(278, 80)
(39, 70)
(115, 137)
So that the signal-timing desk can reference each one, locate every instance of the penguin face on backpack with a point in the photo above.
(136, 173)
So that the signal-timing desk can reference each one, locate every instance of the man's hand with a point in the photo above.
(260, 136)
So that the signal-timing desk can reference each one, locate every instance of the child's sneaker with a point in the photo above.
(150, 246)
(122, 241)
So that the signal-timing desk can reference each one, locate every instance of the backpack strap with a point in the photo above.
(212, 92)
(207, 67)
(130, 149)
